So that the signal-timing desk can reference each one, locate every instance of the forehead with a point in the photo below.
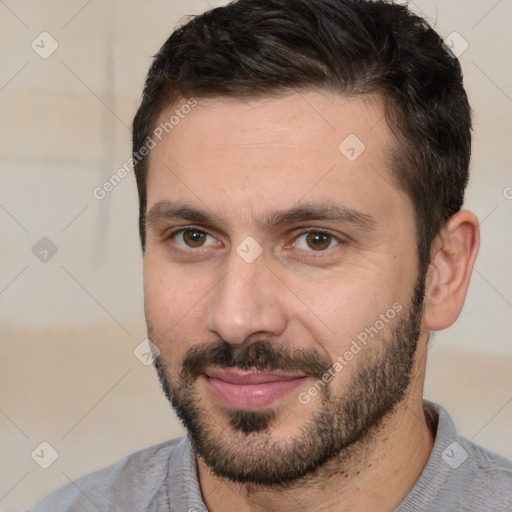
(237, 156)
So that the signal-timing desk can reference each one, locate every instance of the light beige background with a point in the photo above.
(69, 326)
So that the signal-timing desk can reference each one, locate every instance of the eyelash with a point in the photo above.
(304, 231)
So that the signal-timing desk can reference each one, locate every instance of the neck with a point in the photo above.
(374, 474)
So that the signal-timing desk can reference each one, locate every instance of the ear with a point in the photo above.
(453, 255)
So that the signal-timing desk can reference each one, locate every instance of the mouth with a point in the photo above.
(242, 389)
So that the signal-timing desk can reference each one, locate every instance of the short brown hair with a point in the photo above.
(254, 48)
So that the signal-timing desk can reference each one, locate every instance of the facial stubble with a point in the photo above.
(245, 451)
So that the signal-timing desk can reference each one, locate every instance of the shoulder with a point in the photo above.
(477, 478)
(132, 481)
(488, 480)
(460, 476)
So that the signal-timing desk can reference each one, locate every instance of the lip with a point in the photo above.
(240, 389)
(238, 376)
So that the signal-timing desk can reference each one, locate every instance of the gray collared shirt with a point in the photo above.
(459, 477)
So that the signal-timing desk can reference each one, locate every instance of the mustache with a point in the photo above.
(261, 355)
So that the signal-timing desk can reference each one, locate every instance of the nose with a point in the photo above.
(247, 302)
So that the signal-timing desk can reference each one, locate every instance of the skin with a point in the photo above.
(239, 160)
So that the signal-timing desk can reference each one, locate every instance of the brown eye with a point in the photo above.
(194, 238)
(316, 241)
(191, 238)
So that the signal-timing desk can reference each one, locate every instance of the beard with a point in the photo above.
(246, 452)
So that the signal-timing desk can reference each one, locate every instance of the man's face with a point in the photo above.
(280, 280)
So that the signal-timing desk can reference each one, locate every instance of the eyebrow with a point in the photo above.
(324, 211)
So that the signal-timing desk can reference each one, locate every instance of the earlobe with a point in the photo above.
(454, 253)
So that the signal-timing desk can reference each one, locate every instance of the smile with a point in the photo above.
(238, 389)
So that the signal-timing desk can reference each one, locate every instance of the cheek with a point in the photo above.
(172, 300)
(347, 307)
